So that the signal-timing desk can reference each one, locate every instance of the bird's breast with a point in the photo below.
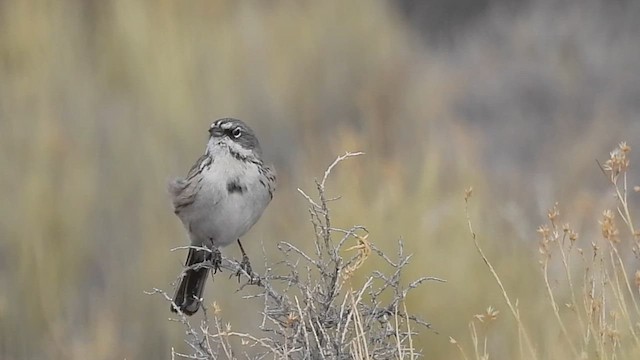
(230, 201)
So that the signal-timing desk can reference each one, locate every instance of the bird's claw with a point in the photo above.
(216, 260)
(245, 267)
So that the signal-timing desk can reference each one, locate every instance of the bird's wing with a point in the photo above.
(270, 174)
(183, 191)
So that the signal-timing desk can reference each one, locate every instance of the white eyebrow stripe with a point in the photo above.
(227, 126)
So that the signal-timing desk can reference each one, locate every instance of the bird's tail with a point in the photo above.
(191, 287)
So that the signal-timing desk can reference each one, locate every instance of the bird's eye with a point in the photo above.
(236, 132)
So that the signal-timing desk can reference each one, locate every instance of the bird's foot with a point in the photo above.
(245, 267)
(216, 260)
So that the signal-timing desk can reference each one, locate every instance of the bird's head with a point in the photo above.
(235, 135)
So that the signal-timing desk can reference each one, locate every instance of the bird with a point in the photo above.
(223, 195)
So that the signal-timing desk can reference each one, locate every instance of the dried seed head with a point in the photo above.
(553, 213)
(624, 147)
(544, 231)
(608, 226)
(467, 193)
(618, 161)
(543, 247)
(216, 308)
(612, 333)
(363, 249)
(573, 236)
(490, 314)
(291, 320)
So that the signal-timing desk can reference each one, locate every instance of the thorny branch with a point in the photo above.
(308, 312)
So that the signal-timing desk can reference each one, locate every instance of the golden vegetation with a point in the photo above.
(101, 102)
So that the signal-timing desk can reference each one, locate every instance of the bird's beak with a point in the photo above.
(215, 131)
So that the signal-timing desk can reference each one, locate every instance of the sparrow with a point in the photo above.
(221, 198)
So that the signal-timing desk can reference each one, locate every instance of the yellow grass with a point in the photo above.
(102, 102)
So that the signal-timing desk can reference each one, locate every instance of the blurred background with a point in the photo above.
(102, 102)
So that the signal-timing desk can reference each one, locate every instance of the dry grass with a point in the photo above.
(595, 290)
(102, 101)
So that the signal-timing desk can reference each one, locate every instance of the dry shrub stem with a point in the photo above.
(309, 306)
